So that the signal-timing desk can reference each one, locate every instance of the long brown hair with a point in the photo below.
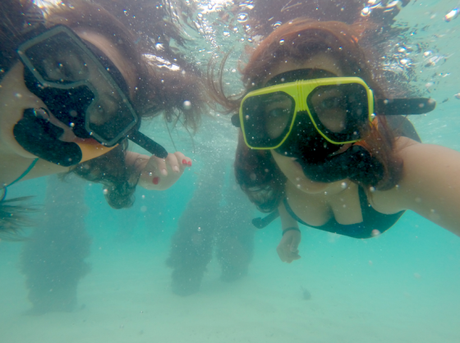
(297, 41)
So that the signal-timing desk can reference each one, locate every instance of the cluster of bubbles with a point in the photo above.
(384, 6)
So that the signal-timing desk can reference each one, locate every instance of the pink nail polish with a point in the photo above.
(155, 180)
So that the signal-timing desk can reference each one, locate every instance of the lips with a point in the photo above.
(87, 141)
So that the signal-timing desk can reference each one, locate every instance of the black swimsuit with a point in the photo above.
(372, 220)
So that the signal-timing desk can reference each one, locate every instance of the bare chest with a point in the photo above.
(318, 209)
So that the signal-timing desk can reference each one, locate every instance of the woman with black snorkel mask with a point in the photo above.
(72, 95)
(322, 145)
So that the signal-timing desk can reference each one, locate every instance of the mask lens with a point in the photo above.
(339, 111)
(266, 118)
(66, 63)
(76, 87)
(108, 116)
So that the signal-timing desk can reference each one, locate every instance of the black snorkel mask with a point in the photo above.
(83, 89)
(310, 114)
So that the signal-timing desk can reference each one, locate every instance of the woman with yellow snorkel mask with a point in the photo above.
(322, 145)
(74, 87)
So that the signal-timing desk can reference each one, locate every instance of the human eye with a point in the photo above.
(277, 108)
(277, 112)
(67, 67)
(105, 109)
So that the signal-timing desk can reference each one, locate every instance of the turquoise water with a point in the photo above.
(399, 287)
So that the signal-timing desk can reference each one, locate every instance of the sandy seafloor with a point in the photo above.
(399, 287)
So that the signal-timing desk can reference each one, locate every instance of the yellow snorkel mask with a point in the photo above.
(338, 108)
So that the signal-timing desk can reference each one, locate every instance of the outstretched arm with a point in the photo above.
(430, 185)
(158, 173)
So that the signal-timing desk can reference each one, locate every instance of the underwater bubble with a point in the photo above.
(105, 191)
(343, 185)
(375, 233)
(277, 24)
(405, 61)
(242, 17)
(281, 41)
(452, 14)
(365, 11)
(187, 105)
(457, 96)
(249, 5)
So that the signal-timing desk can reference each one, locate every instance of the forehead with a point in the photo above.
(322, 61)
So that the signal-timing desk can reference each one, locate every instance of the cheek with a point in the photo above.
(14, 98)
(288, 167)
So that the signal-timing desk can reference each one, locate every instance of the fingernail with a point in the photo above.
(176, 169)
(155, 180)
(164, 172)
(184, 161)
(189, 163)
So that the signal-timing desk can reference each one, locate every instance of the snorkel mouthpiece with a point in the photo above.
(356, 164)
(316, 157)
(41, 138)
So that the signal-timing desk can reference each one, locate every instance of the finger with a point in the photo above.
(173, 163)
(184, 161)
(157, 165)
(295, 256)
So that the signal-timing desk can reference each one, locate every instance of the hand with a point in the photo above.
(288, 248)
(160, 174)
